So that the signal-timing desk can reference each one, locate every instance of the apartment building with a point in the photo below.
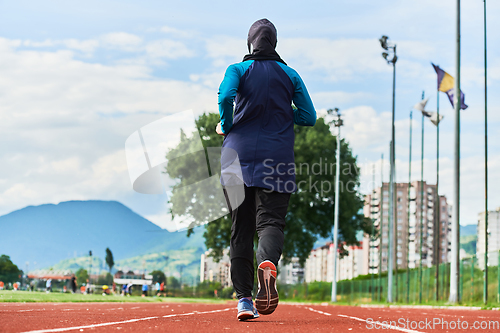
(493, 237)
(216, 271)
(421, 228)
(290, 273)
(319, 264)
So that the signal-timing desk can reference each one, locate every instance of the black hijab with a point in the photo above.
(263, 37)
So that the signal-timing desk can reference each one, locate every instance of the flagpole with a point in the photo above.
(455, 230)
(437, 229)
(408, 235)
(381, 225)
(372, 239)
(485, 285)
(421, 207)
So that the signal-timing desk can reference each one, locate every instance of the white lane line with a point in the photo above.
(89, 326)
(196, 312)
(323, 313)
(30, 310)
(385, 326)
(64, 329)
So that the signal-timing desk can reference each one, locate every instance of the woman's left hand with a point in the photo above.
(218, 129)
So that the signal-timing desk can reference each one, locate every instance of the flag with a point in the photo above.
(433, 116)
(446, 84)
(420, 106)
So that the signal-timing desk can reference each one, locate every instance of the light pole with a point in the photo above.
(90, 268)
(485, 283)
(391, 48)
(337, 123)
(455, 228)
(422, 103)
(408, 234)
(381, 225)
(166, 276)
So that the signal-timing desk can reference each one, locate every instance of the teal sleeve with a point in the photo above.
(305, 114)
(227, 92)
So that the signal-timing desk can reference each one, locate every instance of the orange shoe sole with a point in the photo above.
(267, 297)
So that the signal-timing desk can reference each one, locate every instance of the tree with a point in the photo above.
(189, 164)
(311, 208)
(81, 276)
(158, 276)
(109, 259)
(105, 279)
(173, 283)
(310, 212)
(9, 272)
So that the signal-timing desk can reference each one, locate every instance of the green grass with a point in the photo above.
(54, 297)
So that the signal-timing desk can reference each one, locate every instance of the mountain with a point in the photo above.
(172, 263)
(468, 238)
(48, 234)
(468, 230)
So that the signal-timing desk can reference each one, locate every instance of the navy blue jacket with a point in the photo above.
(261, 130)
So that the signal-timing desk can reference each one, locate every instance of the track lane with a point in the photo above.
(207, 318)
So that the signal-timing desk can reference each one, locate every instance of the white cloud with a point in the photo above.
(226, 50)
(65, 123)
(177, 32)
(329, 98)
(121, 40)
(365, 129)
(45, 43)
(338, 59)
(472, 165)
(65, 120)
(170, 49)
(211, 80)
(85, 46)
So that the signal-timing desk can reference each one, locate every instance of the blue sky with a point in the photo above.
(78, 78)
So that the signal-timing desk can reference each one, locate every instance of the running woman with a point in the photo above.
(260, 129)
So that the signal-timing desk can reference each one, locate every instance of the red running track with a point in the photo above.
(206, 318)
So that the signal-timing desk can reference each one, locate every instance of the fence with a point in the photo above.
(412, 289)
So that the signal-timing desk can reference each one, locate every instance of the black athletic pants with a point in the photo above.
(263, 211)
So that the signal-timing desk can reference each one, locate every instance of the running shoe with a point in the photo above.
(246, 310)
(267, 297)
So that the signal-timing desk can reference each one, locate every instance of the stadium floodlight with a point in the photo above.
(387, 46)
(383, 42)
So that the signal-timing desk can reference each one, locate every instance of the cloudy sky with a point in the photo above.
(77, 78)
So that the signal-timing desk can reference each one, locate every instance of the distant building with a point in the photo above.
(291, 273)
(216, 271)
(413, 222)
(50, 274)
(493, 238)
(319, 264)
(129, 278)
